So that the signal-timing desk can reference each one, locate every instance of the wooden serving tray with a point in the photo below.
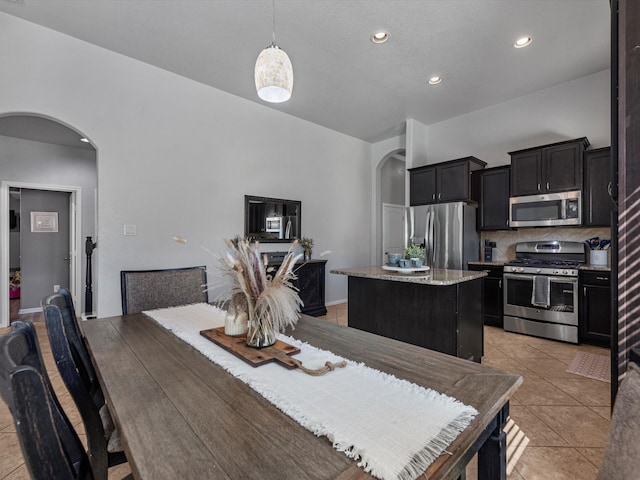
(255, 357)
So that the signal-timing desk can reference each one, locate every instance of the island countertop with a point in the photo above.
(434, 276)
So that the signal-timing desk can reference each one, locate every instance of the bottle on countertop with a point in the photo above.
(489, 248)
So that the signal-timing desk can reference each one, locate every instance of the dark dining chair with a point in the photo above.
(151, 289)
(50, 445)
(621, 458)
(64, 302)
(68, 349)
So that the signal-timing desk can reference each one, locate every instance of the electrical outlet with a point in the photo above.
(56, 288)
(130, 230)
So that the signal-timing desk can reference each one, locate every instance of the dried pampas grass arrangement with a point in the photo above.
(266, 294)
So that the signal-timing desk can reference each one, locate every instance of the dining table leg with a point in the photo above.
(492, 456)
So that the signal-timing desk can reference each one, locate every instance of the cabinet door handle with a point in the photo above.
(547, 185)
(538, 187)
(433, 197)
(609, 189)
(439, 196)
(584, 291)
(602, 278)
(500, 283)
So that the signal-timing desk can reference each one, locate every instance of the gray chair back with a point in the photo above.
(151, 289)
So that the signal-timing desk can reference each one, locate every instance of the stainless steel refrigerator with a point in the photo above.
(448, 233)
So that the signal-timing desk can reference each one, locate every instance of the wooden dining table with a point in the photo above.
(181, 416)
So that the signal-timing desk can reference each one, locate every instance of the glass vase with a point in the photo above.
(260, 333)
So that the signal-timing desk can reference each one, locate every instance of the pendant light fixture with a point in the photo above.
(273, 71)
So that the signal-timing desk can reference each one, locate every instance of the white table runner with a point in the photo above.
(395, 428)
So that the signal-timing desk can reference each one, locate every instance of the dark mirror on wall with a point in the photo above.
(272, 220)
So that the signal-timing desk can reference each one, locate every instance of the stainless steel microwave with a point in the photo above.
(546, 210)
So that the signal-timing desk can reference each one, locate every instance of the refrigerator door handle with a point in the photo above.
(429, 233)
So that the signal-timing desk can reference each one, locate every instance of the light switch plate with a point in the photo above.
(130, 230)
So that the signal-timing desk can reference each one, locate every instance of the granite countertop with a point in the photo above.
(599, 268)
(432, 277)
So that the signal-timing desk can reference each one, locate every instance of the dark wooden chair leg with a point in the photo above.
(492, 456)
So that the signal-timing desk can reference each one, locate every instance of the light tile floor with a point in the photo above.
(559, 421)
(12, 466)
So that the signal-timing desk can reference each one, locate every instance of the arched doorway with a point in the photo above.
(390, 188)
(43, 158)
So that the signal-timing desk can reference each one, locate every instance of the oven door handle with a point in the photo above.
(517, 276)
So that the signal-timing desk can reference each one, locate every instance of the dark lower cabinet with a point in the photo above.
(492, 300)
(310, 283)
(595, 307)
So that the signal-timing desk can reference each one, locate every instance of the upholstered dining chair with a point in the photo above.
(151, 289)
(621, 458)
(103, 440)
(50, 445)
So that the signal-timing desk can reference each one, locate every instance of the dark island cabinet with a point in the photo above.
(443, 182)
(492, 299)
(494, 198)
(549, 168)
(596, 201)
(595, 307)
(311, 286)
(444, 318)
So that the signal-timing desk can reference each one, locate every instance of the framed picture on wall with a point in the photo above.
(44, 222)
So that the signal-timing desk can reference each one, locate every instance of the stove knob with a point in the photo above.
(565, 272)
(538, 270)
(521, 269)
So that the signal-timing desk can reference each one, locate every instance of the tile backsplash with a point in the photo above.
(506, 240)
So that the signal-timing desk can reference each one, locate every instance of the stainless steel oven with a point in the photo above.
(558, 319)
(541, 290)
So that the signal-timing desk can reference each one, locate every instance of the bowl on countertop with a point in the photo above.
(394, 258)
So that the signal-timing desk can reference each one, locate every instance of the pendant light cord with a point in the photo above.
(274, 22)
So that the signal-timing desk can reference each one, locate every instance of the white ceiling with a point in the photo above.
(341, 79)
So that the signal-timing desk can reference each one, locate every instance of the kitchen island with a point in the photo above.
(440, 309)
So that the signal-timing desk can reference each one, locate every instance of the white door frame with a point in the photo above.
(385, 206)
(75, 240)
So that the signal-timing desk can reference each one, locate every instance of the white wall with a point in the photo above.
(580, 108)
(176, 157)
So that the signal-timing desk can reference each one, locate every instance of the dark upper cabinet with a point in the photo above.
(443, 182)
(422, 186)
(494, 198)
(596, 202)
(549, 168)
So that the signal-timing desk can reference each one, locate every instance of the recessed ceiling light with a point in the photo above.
(522, 42)
(85, 140)
(435, 80)
(380, 37)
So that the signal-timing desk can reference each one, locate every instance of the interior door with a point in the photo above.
(392, 230)
(45, 248)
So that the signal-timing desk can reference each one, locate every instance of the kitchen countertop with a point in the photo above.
(583, 266)
(432, 277)
(599, 268)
